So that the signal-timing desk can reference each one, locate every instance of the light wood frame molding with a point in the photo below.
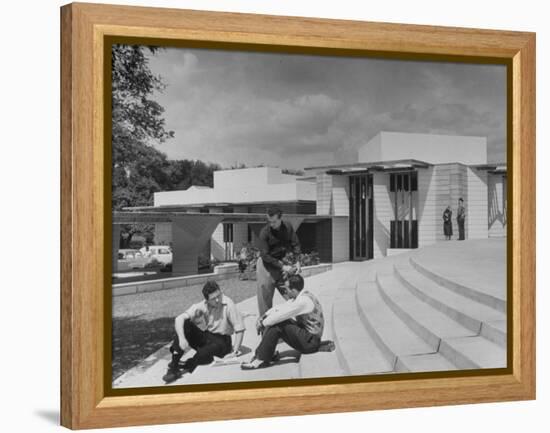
(84, 403)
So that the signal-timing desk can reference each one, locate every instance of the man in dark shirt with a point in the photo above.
(460, 218)
(276, 240)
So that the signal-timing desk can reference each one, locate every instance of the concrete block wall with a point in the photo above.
(497, 203)
(446, 184)
(428, 190)
(340, 196)
(340, 239)
(383, 213)
(476, 204)
(324, 194)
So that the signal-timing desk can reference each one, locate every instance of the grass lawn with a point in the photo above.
(144, 322)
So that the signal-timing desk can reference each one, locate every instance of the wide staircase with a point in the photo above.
(413, 312)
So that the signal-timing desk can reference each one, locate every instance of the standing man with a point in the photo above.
(460, 218)
(207, 327)
(299, 322)
(276, 240)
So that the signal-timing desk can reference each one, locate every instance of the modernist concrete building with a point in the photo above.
(390, 199)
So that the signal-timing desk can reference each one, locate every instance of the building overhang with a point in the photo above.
(197, 206)
(366, 167)
(495, 168)
(150, 217)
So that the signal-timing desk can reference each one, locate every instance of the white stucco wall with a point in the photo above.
(371, 151)
(432, 148)
(252, 193)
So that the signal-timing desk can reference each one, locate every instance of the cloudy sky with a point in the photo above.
(295, 111)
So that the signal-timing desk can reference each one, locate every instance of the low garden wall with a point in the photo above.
(120, 289)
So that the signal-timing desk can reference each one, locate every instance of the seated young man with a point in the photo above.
(207, 327)
(302, 333)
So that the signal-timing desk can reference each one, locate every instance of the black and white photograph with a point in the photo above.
(283, 216)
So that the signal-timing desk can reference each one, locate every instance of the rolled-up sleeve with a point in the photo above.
(288, 310)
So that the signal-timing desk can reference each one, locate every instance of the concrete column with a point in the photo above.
(189, 236)
(115, 247)
(217, 245)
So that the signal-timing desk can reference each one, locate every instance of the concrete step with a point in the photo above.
(286, 368)
(323, 364)
(392, 336)
(460, 289)
(473, 352)
(423, 362)
(425, 321)
(469, 313)
(357, 352)
(495, 331)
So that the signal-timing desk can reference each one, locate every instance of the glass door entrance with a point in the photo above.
(361, 217)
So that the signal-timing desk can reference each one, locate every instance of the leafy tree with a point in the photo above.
(138, 168)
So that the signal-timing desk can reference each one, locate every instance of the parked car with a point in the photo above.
(127, 254)
(130, 259)
(161, 254)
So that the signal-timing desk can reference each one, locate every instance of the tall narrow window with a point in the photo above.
(404, 227)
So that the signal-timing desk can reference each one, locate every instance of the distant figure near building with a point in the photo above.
(460, 218)
(207, 327)
(299, 322)
(276, 240)
(448, 223)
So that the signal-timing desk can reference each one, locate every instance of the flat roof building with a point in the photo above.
(390, 199)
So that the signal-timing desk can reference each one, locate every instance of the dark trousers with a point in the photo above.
(207, 345)
(292, 334)
(461, 236)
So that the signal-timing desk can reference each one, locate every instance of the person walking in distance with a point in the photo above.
(460, 219)
(277, 239)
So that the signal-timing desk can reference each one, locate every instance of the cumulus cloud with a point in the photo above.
(295, 111)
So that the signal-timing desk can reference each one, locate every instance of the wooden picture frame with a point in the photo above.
(85, 213)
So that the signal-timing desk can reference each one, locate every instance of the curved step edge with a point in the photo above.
(458, 316)
(468, 292)
(428, 336)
